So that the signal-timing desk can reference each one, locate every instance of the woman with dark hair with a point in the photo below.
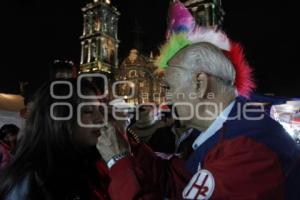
(57, 157)
(8, 142)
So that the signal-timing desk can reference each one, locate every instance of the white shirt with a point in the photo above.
(214, 127)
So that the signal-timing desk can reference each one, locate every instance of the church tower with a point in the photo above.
(206, 12)
(99, 41)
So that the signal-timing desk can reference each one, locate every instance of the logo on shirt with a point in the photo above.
(200, 187)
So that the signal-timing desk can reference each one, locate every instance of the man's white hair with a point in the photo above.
(205, 57)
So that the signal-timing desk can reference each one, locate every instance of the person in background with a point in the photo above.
(8, 143)
(146, 124)
(163, 138)
(173, 138)
(61, 69)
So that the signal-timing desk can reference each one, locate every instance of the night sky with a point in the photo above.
(34, 33)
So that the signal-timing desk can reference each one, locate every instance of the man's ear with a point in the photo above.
(202, 84)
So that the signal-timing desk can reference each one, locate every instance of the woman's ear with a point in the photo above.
(202, 84)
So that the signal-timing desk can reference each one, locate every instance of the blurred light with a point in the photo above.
(9, 96)
(131, 84)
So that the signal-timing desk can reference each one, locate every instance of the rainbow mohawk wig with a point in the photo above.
(173, 46)
(243, 79)
(179, 19)
(183, 32)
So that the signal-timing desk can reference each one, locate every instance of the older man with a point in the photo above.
(241, 153)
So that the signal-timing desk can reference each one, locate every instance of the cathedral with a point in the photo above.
(144, 83)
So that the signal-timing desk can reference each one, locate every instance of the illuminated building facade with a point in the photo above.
(141, 85)
(206, 12)
(99, 41)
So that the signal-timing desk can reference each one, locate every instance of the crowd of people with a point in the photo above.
(209, 143)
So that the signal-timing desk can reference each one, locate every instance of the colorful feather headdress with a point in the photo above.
(183, 31)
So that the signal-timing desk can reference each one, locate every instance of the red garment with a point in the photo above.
(234, 165)
(5, 156)
(168, 178)
(244, 160)
(163, 178)
(100, 192)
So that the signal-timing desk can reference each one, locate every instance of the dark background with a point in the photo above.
(34, 33)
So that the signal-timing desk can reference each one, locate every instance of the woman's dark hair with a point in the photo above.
(8, 129)
(46, 147)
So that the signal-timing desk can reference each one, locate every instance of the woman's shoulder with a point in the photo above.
(30, 187)
(20, 190)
